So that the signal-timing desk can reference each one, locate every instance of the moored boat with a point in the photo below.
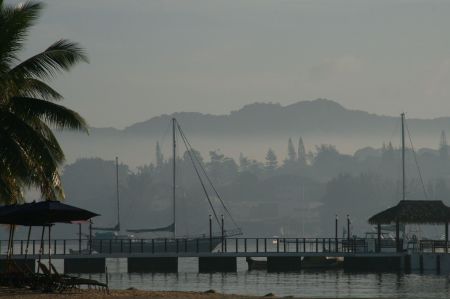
(109, 240)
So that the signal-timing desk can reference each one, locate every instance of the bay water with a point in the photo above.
(312, 284)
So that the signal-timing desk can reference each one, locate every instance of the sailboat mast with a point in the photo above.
(117, 193)
(403, 158)
(174, 143)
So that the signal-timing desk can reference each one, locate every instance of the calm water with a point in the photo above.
(306, 283)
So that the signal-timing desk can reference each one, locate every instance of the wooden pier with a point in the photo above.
(282, 254)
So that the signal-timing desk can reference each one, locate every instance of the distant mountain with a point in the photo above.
(254, 128)
(305, 117)
(320, 115)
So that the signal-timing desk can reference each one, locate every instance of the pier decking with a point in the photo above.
(284, 253)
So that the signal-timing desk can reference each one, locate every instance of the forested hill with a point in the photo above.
(305, 117)
(253, 129)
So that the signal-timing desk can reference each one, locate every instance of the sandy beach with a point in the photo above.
(120, 294)
(128, 294)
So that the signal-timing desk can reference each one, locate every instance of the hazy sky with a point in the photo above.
(153, 57)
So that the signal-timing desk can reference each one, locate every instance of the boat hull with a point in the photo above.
(155, 246)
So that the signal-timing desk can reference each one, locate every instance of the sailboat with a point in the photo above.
(108, 239)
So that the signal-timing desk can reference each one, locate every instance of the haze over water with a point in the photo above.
(221, 68)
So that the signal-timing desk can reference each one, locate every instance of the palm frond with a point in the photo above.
(30, 87)
(33, 143)
(61, 55)
(17, 20)
(10, 190)
(33, 166)
(56, 115)
(26, 87)
(14, 160)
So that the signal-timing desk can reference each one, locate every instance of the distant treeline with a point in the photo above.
(292, 193)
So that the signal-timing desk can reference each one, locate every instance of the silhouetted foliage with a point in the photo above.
(292, 154)
(159, 156)
(265, 197)
(271, 161)
(301, 155)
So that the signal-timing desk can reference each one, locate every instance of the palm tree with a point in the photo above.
(30, 155)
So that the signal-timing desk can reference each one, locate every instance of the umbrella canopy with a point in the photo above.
(42, 213)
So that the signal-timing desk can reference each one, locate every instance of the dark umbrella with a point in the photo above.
(43, 213)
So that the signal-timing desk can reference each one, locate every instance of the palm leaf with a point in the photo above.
(61, 55)
(30, 87)
(32, 142)
(10, 189)
(34, 166)
(15, 22)
(56, 115)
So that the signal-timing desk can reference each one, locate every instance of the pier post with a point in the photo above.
(90, 236)
(84, 265)
(397, 235)
(446, 237)
(373, 264)
(79, 238)
(378, 237)
(348, 228)
(152, 264)
(217, 264)
(210, 233)
(223, 233)
(283, 264)
(336, 233)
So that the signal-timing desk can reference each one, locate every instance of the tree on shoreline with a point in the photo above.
(30, 155)
(271, 161)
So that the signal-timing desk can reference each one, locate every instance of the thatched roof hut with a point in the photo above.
(414, 212)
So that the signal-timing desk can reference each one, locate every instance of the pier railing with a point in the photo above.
(216, 244)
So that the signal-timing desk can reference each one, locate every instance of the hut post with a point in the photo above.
(348, 227)
(336, 242)
(397, 235)
(210, 233)
(446, 237)
(79, 238)
(379, 237)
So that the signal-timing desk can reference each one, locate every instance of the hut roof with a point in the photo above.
(414, 211)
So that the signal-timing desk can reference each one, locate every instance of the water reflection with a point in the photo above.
(313, 284)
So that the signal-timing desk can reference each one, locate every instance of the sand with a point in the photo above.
(128, 294)
(118, 294)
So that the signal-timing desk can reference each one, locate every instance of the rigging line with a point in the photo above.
(190, 148)
(199, 176)
(417, 163)
(207, 178)
(180, 190)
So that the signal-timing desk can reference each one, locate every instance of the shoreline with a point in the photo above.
(123, 294)
(132, 294)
